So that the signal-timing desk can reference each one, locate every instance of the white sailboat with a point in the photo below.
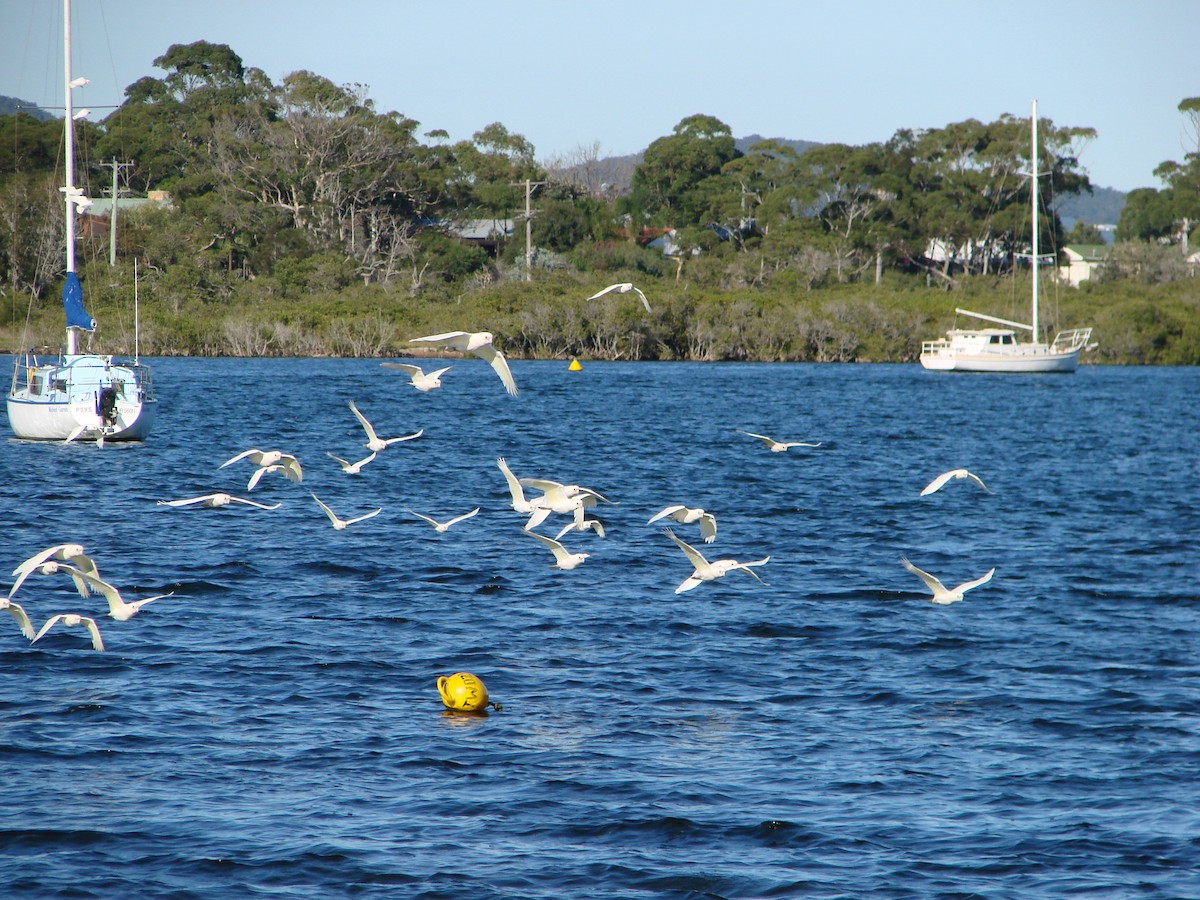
(79, 396)
(999, 349)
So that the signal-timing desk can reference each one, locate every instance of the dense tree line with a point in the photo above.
(285, 192)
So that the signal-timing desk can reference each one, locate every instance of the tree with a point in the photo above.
(673, 166)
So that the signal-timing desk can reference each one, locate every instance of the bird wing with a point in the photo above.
(748, 567)
(801, 444)
(545, 485)
(976, 479)
(514, 486)
(366, 459)
(645, 302)
(405, 437)
(983, 579)
(932, 583)
(499, 364)
(473, 512)
(292, 470)
(329, 512)
(560, 552)
(367, 426)
(240, 456)
(537, 517)
(191, 501)
(94, 630)
(454, 340)
(438, 373)
(691, 552)
(431, 521)
(688, 583)
(50, 623)
(708, 527)
(404, 367)
(369, 515)
(620, 287)
(17, 611)
(937, 483)
(761, 437)
(344, 463)
(669, 511)
(254, 503)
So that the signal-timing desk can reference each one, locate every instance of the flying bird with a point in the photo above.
(563, 558)
(72, 619)
(478, 343)
(942, 594)
(268, 461)
(952, 475)
(710, 571)
(340, 524)
(686, 516)
(422, 381)
(48, 562)
(374, 441)
(118, 607)
(444, 526)
(216, 501)
(519, 503)
(17, 611)
(623, 288)
(582, 525)
(777, 446)
(351, 468)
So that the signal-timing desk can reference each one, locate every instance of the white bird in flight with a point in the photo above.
(48, 562)
(710, 571)
(478, 343)
(942, 594)
(118, 608)
(519, 503)
(563, 558)
(623, 288)
(17, 611)
(582, 524)
(351, 468)
(72, 619)
(778, 446)
(686, 516)
(374, 441)
(444, 526)
(338, 523)
(422, 381)
(216, 501)
(952, 475)
(268, 461)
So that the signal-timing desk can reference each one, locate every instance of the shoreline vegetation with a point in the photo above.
(550, 318)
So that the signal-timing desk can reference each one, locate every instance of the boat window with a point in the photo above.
(1008, 339)
(35, 385)
(994, 339)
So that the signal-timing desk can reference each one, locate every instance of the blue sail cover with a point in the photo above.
(77, 316)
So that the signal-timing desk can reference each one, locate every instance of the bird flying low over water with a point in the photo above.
(351, 468)
(48, 562)
(118, 608)
(374, 441)
(623, 288)
(942, 594)
(72, 619)
(952, 475)
(778, 446)
(563, 558)
(686, 516)
(710, 571)
(338, 523)
(268, 461)
(216, 501)
(478, 343)
(445, 526)
(421, 380)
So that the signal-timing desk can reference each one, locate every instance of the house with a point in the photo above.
(1082, 260)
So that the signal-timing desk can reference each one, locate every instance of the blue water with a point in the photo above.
(274, 730)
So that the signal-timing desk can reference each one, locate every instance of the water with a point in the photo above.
(274, 729)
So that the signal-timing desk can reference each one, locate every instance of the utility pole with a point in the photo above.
(529, 186)
(112, 223)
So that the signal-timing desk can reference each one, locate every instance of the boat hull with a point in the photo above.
(83, 397)
(995, 362)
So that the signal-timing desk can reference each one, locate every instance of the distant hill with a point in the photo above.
(11, 105)
(1101, 207)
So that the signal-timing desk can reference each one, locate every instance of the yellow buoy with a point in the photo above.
(463, 691)
(575, 366)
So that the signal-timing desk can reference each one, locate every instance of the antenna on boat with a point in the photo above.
(136, 318)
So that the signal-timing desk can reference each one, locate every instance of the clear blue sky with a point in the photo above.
(621, 73)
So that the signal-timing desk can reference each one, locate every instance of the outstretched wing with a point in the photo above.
(984, 579)
(404, 367)
(499, 364)
(669, 511)
(452, 340)
(698, 561)
(937, 483)
(932, 583)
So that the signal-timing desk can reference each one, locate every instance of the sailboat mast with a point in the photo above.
(69, 129)
(1033, 193)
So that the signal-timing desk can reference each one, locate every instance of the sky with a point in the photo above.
(619, 74)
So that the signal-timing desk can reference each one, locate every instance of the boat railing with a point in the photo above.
(1068, 341)
(932, 348)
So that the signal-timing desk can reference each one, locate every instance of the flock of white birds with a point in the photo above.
(544, 499)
